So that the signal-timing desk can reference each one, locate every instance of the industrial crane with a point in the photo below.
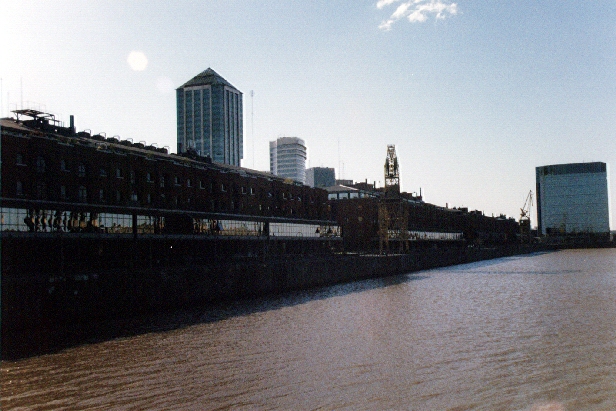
(525, 231)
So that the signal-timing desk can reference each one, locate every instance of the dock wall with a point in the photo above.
(54, 288)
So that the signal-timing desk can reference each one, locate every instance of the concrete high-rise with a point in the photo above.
(288, 158)
(320, 177)
(573, 198)
(210, 118)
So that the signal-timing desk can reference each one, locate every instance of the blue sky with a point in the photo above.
(474, 94)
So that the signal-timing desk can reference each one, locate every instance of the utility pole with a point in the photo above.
(252, 125)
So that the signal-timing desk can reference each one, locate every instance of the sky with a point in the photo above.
(474, 94)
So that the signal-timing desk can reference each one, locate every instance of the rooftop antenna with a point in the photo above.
(21, 81)
(252, 124)
(339, 176)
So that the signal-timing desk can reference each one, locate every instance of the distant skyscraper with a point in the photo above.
(288, 158)
(320, 177)
(210, 118)
(573, 198)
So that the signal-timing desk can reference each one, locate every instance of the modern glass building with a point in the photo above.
(573, 198)
(320, 177)
(288, 158)
(210, 118)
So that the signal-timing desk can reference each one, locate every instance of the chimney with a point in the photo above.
(72, 120)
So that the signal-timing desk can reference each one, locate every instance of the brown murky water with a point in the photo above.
(524, 333)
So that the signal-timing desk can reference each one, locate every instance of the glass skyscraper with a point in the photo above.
(320, 177)
(573, 198)
(210, 118)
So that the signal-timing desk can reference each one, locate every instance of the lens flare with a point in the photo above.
(137, 60)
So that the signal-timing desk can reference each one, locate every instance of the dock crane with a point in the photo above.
(525, 229)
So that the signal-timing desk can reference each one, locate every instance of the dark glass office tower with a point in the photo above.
(210, 118)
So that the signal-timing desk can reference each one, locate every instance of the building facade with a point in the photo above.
(288, 158)
(573, 198)
(210, 118)
(60, 180)
(321, 177)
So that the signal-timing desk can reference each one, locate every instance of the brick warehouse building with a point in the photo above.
(124, 187)
(47, 163)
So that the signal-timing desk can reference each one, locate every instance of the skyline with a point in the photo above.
(473, 95)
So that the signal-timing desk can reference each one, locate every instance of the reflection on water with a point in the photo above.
(523, 333)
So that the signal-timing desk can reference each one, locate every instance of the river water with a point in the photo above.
(533, 332)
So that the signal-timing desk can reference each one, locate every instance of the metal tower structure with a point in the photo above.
(392, 174)
(393, 216)
(525, 229)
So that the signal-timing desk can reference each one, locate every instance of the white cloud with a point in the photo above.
(417, 11)
(382, 3)
(401, 11)
(386, 25)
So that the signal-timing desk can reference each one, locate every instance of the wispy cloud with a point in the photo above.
(382, 3)
(417, 11)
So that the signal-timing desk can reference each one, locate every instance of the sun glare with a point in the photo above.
(137, 60)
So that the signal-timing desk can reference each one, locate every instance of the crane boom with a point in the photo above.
(525, 230)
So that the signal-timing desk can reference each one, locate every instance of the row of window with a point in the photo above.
(18, 219)
(117, 196)
(347, 195)
(41, 166)
(41, 192)
(82, 172)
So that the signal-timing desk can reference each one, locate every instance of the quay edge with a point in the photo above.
(44, 310)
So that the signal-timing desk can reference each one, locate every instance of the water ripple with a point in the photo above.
(523, 333)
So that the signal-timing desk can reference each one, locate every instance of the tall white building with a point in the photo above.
(288, 158)
(573, 198)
